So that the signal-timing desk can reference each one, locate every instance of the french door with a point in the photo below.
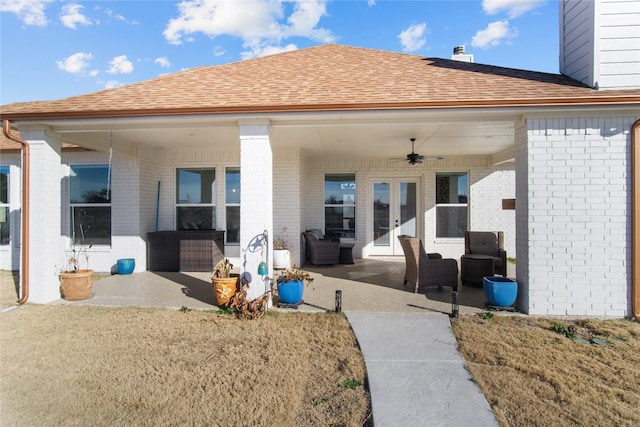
(394, 211)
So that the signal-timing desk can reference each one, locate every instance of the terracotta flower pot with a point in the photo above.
(223, 289)
(76, 285)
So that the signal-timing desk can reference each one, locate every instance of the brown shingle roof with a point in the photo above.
(9, 146)
(327, 77)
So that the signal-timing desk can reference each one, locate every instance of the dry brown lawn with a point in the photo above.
(533, 375)
(79, 365)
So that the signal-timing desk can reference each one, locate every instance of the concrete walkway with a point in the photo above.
(416, 375)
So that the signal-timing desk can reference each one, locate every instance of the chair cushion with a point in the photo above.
(316, 233)
(484, 243)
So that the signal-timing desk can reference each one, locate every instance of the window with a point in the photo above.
(195, 199)
(4, 205)
(340, 205)
(452, 193)
(90, 203)
(232, 204)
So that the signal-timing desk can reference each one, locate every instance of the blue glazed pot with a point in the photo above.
(500, 291)
(126, 265)
(291, 292)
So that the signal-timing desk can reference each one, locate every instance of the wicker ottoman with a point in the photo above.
(473, 268)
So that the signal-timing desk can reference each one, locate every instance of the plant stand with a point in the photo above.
(76, 285)
(295, 306)
(281, 258)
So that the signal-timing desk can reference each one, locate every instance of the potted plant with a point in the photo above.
(76, 283)
(281, 255)
(290, 285)
(225, 284)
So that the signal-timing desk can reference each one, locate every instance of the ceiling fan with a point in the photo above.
(414, 158)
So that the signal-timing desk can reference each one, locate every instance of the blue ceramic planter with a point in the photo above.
(500, 291)
(291, 292)
(126, 265)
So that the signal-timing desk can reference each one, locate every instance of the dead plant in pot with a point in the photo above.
(290, 285)
(76, 283)
(225, 284)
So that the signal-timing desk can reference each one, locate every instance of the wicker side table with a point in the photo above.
(346, 252)
(474, 267)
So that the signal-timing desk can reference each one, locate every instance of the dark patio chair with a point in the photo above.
(321, 251)
(487, 243)
(425, 270)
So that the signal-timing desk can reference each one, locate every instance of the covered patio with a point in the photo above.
(369, 285)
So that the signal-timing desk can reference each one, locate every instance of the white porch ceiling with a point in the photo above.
(326, 136)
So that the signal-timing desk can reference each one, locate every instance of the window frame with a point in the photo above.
(341, 204)
(6, 204)
(232, 204)
(211, 205)
(450, 204)
(74, 239)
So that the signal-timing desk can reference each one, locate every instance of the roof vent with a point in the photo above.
(459, 55)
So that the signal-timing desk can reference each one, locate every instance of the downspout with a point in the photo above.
(635, 212)
(24, 221)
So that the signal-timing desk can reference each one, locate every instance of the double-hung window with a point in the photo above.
(452, 194)
(90, 202)
(340, 205)
(4, 205)
(232, 204)
(195, 199)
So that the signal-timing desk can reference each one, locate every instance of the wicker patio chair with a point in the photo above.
(487, 243)
(321, 251)
(425, 270)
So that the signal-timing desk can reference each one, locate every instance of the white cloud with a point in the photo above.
(120, 65)
(75, 63)
(257, 51)
(110, 84)
(31, 12)
(261, 24)
(163, 62)
(493, 35)
(372, 3)
(218, 51)
(513, 8)
(413, 38)
(72, 16)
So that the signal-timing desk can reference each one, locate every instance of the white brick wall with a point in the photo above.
(256, 198)
(46, 253)
(489, 185)
(576, 173)
(287, 199)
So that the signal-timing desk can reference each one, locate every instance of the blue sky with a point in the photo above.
(51, 49)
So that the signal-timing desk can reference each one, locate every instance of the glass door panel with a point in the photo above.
(394, 212)
(381, 213)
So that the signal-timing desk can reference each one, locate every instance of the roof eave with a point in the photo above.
(592, 101)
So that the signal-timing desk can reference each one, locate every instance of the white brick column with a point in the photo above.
(46, 250)
(256, 202)
(575, 216)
